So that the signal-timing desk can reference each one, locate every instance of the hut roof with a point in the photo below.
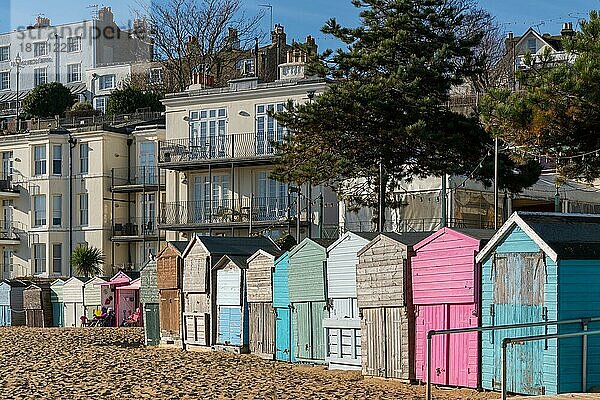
(134, 285)
(408, 239)
(15, 283)
(240, 261)
(238, 246)
(564, 236)
(367, 235)
(179, 245)
(274, 254)
(481, 234)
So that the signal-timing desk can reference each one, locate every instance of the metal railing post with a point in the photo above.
(428, 387)
(584, 353)
(504, 345)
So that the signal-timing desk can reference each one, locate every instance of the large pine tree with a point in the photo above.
(386, 104)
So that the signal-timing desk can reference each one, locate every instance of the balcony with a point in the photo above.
(139, 179)
(8, 234)
(227, 213)
(8, 189)
(134, 230)
(219, 150)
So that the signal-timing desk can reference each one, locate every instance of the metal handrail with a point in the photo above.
(522, 339)
(432, 333)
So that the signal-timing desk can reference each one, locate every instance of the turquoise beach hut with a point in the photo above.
(283, 310)
(541, 267)
(58, 313)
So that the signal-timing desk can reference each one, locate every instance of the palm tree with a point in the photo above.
(87, 261)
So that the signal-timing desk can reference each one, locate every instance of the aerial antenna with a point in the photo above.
(94, 10)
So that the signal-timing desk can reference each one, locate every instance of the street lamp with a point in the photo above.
(18, 65)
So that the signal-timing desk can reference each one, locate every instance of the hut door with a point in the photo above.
(519, 298)
(4, 316)
(230, 328)
(373, 335)
(151, 324)
(283, 333)
(463, 351)
(432, 318)
(302, 322)
(393, 339)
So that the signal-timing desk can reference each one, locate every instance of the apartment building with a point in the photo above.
(80, 185)
(218, 156)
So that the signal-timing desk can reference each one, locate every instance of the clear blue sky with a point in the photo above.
(303, 17)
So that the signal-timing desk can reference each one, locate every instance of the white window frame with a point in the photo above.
(74, 76)
(57, 210)
(100, 103)
(4, 80)
(7, 260)
(156, 75)
(84, 158)
(39, 258)
(39, 163)
(74, 44)
(4, 53)
(55, 258)
(39, 210)
(40, 49)
(104, 79)
(56, 161)
(40, 76)
(84, 215)
(533, 49)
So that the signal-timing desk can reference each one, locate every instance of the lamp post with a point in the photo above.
(18, 65)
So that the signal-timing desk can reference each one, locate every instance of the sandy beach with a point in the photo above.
(99, 363)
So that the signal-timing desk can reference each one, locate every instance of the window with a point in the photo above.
(7, 165)
(57, 159)
(39, 258)
(532, 46)
(57, 210)
(73, 44)
(8, 262)
(39, 210)
(84, 153)
(4, 53)
(245, 67)
(73, 73)
(4, 80)
(209, 133)
(100, 103)
(83, 209)
(40, 76)
(57, 259)
(268, 130)
(39, 157)
(106, 82)
(40, 49)
(156, 75)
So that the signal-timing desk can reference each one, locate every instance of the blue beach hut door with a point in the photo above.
(283, 334)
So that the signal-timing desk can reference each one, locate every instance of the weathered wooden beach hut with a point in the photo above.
(446, 288)
(169, 278)
(37, 303)
(128, 301)
(342, 326)
(199, 281)
(232, 305)
(259, 290)
(58, 309)
(72, 294)
(308, 295)
(149, 297)
(385, 304)
(284, 341)
(108, 293)
(92, 296)
(541, 267)
(11, 303)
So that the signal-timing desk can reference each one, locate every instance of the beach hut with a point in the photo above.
(308, 295)
(58, 312)
(385, 305)
(446, 287)
(108, 292)
(199, 281)
(38, 305)
(149, 297)
(11, 303)
(284, 341)
(127, 301)
(259, 291)
(72, 294)
(541, 267)
(232, 305)
(342, 326)
(169, 270)
(92, 296)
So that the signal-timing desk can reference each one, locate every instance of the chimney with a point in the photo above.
(567, 29)
(41, 22)
(278, 34)
(106, 15)
(311, 44)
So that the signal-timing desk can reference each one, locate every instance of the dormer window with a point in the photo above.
(532, 46)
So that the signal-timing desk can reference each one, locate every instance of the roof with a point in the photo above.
(179, 245)
(324, 243)
(274, 254)
(134, 285)
(560, 236)
(14, 283)
(240, 261)
(408, 239)
(480, 234)
(368, 236)
(79, 278)
(239, 246)
(554, 41)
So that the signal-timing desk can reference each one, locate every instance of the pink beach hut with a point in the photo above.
(128, 301)
(446, 287)
(109, 294)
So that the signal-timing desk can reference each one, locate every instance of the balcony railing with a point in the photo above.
(227, 146)
(8, 231)
(7, 184)
(138, 176)
(135, 228)
(224, 211)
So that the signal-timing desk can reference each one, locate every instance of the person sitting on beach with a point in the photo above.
(84, 321)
